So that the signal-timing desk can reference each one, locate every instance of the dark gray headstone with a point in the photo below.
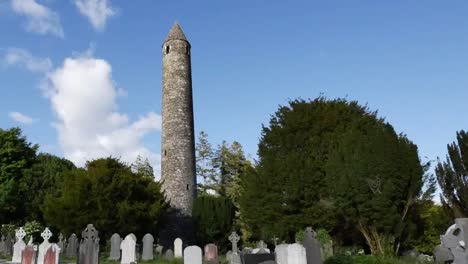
(72, 246)
(256, 258)
(2, 245)
(312, 247)
(89, 246)
(115, 247)
(147, 253)
(169, 255)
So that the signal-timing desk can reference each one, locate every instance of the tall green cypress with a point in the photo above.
(452, 177)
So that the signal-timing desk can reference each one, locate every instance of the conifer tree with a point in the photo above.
(452, 176)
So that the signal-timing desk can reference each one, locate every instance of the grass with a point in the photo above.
(159, 260)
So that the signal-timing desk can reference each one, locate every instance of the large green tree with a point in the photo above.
(452, 175)
(16, 156)
(377, 178)
(108, 194)
(44, 177)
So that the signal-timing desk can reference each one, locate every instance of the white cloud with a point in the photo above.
(83, 96)
(21, 118)
(23, 58)
(40, 19)
(97, 12)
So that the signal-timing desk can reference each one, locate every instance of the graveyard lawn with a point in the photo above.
(369, 259)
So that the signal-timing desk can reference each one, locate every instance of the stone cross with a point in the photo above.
(19, 245)
(234, 238)
(89, 246)
(44, 246)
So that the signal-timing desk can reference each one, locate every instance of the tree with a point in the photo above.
(377, 177)
(108, 194)
(206, 173)
(452, 175)
(143, 167)
(16, 155)
(288, 190)
(214, 217)
(44, 177)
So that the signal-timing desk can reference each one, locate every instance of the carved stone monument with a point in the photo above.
(19, 245)
(115, 242)
(89, 246)
(147, 253)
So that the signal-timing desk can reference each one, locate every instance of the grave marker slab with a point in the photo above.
(211, 253)
(169, 255)
(72, 246)
(281, 252)
(128, 250)
(192, 255)
(115, 242)
(147, 253)
(312, 247)
(297, 254)
(89, 246)
(178, 248)
(29, 255)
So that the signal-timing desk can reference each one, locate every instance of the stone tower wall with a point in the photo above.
(178, 144)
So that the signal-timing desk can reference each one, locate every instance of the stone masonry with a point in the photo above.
(178, 143)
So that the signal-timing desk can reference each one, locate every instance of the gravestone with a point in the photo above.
(147, 253)
(297, 254)
(29, 255)
(9, 245)
(281, 252)
(169, 255)
(257, 258)
(262, 248)
(89, 246)
(52, 255)
(19, 245)
(115, 247)
(128, 250)
(193, 255)
(312, 247)
(234, 239)
(235, 258)
(211, 253)
(61, 243)
(454, 240)
(44, 246)
(2, 245)
(178, 248)
(133, 236)
(72, 246)
(159, 250)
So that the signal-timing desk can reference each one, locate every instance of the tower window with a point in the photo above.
(187, 50)
(187, 187)
(165, 152)
(168, 48)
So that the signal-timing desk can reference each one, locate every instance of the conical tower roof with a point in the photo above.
(176, 33)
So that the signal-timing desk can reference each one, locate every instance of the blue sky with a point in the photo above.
(406, 59)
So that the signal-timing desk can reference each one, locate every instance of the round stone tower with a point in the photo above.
(178, 143)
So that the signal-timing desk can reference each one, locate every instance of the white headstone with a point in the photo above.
(128, 250)
(19, 245)
(44, 246)
(282, 254)
(296, 254)
(192, 255)
(178, 248)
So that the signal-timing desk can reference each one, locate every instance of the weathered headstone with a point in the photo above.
(281, 252)
(115, 247)
(147, 253)
(19, 245)
(44, 246)
(312, 247)
(133, 236)
(235, 258)
(192, 255)
(178, 248)
(72, 246)
(61, 243)
(262, 248)
(9, 241)
(234, 239)
(297, 254)
(29, 255)
(211, 253)
(128, 250)
(169, 255)
(2, 245)
(159, 250)
(52, 255)
(89, 246)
